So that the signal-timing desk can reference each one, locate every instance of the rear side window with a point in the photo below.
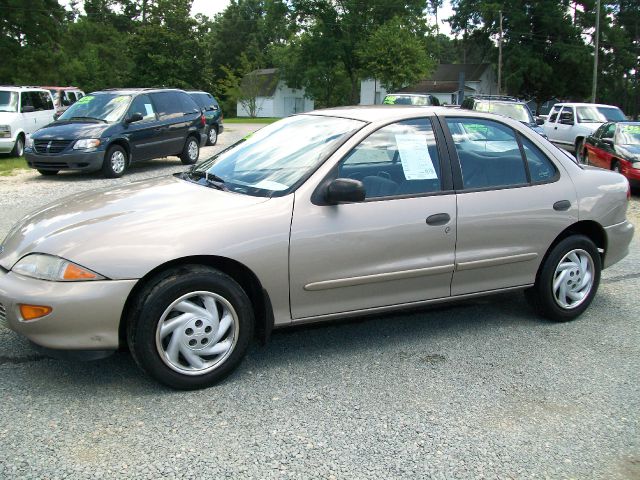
(489, 153)
(45, 100)
(169, 104)
(187, 104)
(541, 169)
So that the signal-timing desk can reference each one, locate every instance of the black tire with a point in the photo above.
(212, 135)
(18, 147)
(115, 162)
(48, 173)
(581, 151)
(541, 296)
(615, 166)
(158, 296)
(191, 151)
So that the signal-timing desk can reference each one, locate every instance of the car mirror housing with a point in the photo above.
(608, 141)
(539, 121)
(345, 190)
(135, 117)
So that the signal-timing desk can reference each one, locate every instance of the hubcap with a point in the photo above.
(20, 149)
(573, 279)
(118, 161)
(193, 150)
(213, 135)
(197, 333)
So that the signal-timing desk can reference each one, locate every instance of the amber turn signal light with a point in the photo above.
(31, 312)
(74, 272)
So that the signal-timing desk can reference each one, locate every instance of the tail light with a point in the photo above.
(203, 121)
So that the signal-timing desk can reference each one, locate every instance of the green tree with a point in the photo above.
(395, 55)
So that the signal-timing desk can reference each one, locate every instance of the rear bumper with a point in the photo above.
(618, 239)
(85, 315)
(85, 161)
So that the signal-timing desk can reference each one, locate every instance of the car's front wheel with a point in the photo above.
(18, 147)
(191, 151)
(191, 327)
(581, 151)
(115, 162)
(567, 280)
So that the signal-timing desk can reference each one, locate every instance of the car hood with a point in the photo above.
(62, 130)
(629, 150)
(99, 229)
(7, 118)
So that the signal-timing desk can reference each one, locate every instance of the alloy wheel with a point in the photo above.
(118, 162)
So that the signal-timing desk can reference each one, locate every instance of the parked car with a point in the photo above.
(508, 106)
(337, 213)
(212, 112)
(111, 129)
(23, 110)
(569, 124)
(616, 146)
(64, 97)
(419, 99)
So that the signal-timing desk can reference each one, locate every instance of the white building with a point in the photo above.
(479, 79)
(274, 98)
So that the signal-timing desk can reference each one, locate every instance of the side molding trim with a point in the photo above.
(494, 262)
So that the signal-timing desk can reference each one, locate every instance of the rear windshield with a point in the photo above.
(108, 107)
(589, 114)
(8, 101)
(517, 111)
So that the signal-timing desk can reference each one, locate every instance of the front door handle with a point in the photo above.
(562, 205)
(438, 219)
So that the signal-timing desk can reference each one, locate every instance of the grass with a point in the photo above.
(9, 164)
(251, 120)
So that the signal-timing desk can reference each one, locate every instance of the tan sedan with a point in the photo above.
(325, 215)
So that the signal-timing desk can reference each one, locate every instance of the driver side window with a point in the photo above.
(399, 159)
(142, 105)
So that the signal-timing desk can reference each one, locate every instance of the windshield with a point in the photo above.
(276, 158)
(629, 134)
(108, 107)
(591, 114)
(8, 101)
(517, 111)
(406, 100)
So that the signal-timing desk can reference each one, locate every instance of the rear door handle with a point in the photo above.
(438, 219)
(562, 205)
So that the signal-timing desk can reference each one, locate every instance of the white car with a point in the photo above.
(569, 124)
(23, 110)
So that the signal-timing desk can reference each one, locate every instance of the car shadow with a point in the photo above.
(338, 342)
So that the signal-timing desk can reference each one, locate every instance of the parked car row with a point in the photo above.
(107, 130)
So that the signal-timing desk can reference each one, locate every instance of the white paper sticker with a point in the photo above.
(270, 185)
(415, 158)
(149, 109)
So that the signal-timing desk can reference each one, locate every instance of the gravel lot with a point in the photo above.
(483, 389)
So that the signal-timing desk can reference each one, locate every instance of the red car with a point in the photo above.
(616, 146)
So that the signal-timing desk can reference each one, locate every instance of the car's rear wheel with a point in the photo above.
(581, 151)
(191, 327)
(115, 162)
(18, 147)
(212, 137)
(191, 151)
(48, 173)
(567, 280)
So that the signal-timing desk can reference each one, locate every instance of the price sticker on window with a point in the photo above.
(414, 157)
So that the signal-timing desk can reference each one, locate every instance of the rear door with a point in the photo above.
(46, 110)
(396, 247)
(176, 116)
(512, 203)
(551, 126)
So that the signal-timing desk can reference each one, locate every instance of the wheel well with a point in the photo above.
(589, 229)
(249, 282)
(578, 140)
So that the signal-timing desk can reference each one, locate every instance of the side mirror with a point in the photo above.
(28, 109)
(345, 190)
(134, 117)
(56, 116)
(539, 121)
(608, 141)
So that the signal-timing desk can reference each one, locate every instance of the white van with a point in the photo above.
(23, 110)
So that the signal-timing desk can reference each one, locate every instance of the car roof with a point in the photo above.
(377, 113)
(61, 88)
(583, 104)
(134, 91)
(14, 88)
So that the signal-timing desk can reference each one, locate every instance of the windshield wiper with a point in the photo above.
(211, 179)
(86, 118)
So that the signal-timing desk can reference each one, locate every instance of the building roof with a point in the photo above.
(263, 81)
(450, 72)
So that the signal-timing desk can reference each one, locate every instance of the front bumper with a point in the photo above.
(85, 315)
(618, 239)
(78, 160)
(7, 144)
(632, 174)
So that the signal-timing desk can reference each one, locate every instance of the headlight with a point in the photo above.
(48, 267)
(5, 131)
(86, 143)
(636, 164)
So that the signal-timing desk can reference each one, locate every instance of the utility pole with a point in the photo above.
(500, 56)
(595, 55)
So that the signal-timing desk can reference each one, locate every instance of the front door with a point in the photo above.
(396, 247)
(145, 136)
(512, 203)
